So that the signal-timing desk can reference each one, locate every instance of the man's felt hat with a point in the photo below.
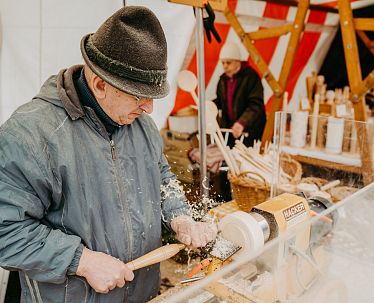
(129, 51)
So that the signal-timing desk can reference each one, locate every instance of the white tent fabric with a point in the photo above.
(40, 37)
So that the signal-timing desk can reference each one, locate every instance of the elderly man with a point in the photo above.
(84, 184)
(240, 96)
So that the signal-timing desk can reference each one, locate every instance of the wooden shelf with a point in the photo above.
(320, 158)
(328, 164)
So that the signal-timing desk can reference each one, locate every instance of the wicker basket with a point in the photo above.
(248, 192)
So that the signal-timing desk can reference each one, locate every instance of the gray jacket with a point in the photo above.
(64, 184)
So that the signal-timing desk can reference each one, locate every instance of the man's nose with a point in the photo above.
(146, 105)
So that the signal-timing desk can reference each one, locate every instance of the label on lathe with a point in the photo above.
(295, 213)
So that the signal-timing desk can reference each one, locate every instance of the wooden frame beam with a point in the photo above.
(295, 3)
(364, 24)
(365, 39)
(358, 87)
(218, 5)
(270, 32)
(367, 84)
(352, 60)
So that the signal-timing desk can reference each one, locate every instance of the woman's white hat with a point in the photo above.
(230, 51)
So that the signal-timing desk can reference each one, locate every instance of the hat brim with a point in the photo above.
(135, 88)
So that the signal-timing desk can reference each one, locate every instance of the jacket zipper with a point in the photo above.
(124, 204)
(113, 150)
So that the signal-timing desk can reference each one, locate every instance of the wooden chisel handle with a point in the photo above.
(155, 256)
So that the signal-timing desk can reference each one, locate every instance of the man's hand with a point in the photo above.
(103, 272)
(237, 129)
(193, 233)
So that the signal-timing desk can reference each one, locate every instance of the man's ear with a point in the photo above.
(98, 87)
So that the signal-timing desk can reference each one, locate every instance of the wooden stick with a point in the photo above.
(315, 121)
(155, 256)
(353, 145)
(260, 160)
(321, 130)
(260, 164)
(236, 167)
(229, 154)
(323, 218)
(194, 97)
(285, 101)
(257, 157)
(198, 267)
(330, 185)
(347, 135)
(255, 163)
(224, 153)
(219, 139)
(310, 85)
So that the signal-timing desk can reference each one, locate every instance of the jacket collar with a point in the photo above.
(67, 92)
(87, 98)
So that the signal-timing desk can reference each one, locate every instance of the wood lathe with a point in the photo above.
(299, 257)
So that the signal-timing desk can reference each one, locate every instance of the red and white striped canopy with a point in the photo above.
(320, 29)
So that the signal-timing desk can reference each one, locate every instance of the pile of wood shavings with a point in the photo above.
(200, 208)
(222, 248)
(172, 189)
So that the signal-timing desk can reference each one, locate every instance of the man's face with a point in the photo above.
(122, 107)
(230, 67)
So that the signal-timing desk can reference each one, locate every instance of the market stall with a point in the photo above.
(296, 227)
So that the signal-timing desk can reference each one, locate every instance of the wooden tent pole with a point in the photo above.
(358, 87)
(298, 27)
(352, 59)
